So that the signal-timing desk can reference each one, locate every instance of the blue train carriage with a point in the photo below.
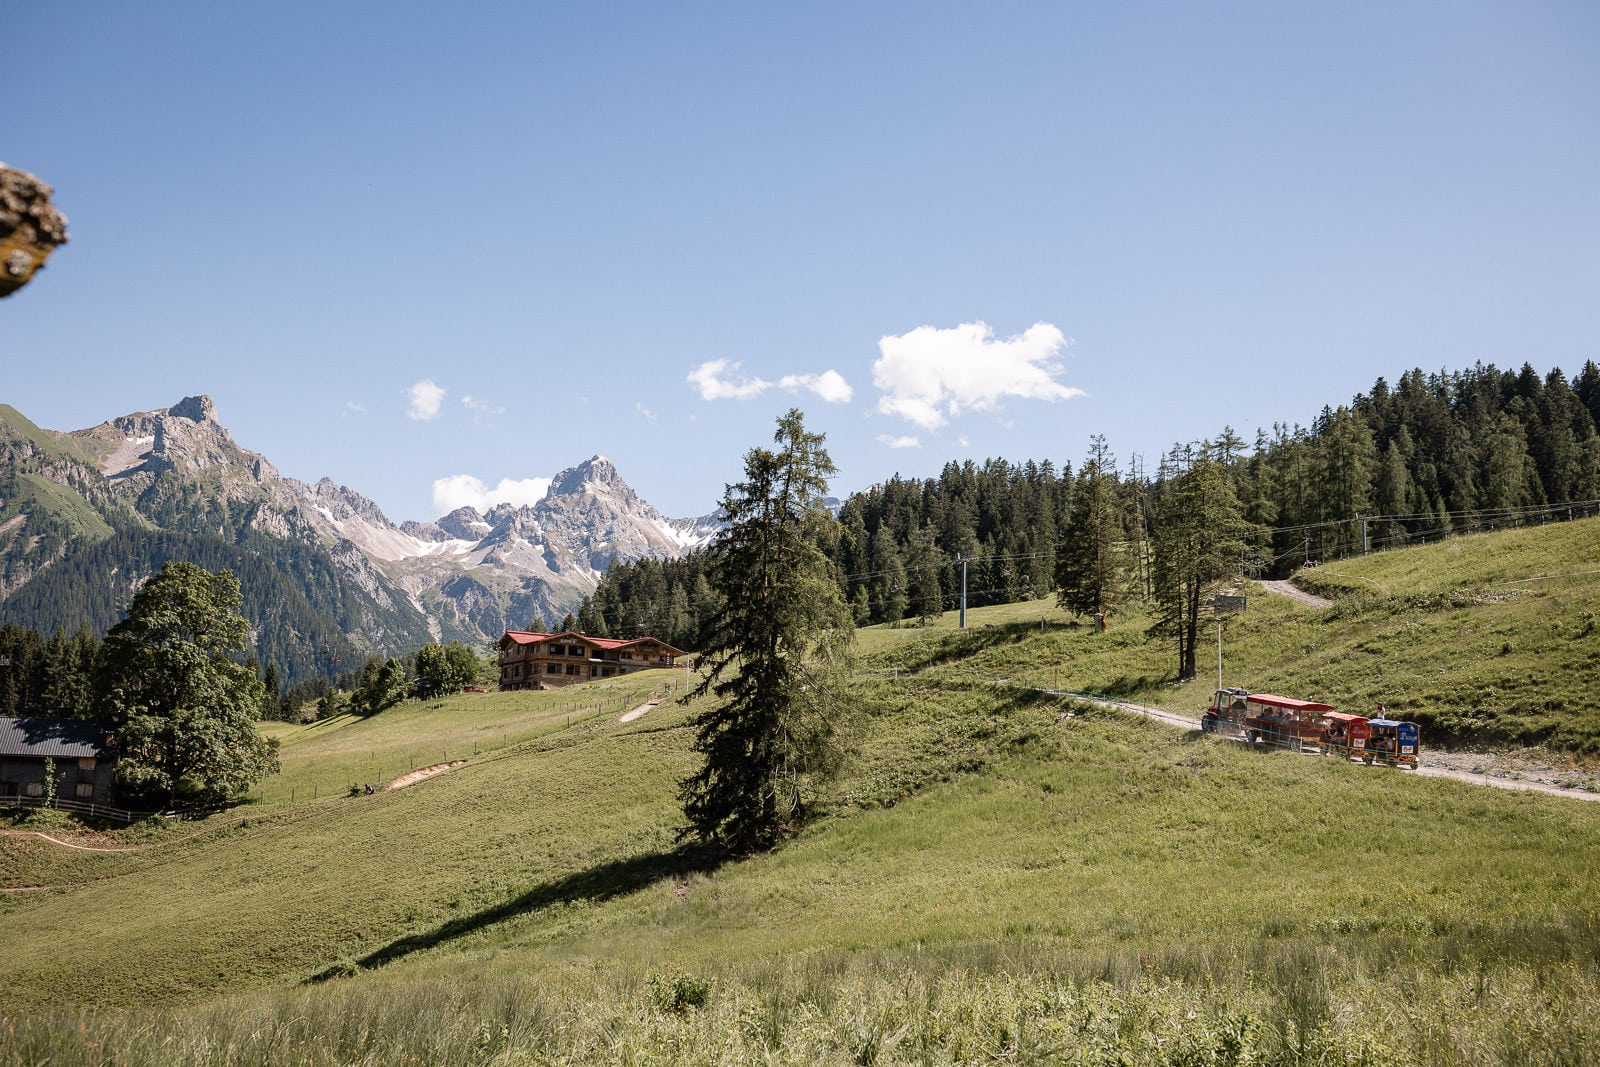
(1393, 743)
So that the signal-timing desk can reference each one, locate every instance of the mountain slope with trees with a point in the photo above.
(1434, 455)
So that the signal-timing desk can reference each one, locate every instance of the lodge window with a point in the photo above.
(8, 789)
(608, 672)
(552, 668)
(35, 789)
(575, 650)
(593, 671)
(572, 668)
(85, 763)
(85, 790)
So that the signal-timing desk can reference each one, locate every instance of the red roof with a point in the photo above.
(604, 644)
(1287, 703)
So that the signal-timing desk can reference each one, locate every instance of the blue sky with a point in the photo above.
(425, 250)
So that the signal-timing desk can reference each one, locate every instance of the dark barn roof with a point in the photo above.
(52, 737)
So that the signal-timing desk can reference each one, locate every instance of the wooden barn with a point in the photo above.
(82, 753)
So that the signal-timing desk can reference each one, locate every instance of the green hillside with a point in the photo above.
(18, 432)
(1488, 639)
(998, 875)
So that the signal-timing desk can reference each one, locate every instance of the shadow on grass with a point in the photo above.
(964, 643)
(614, 879)
(1127, 686)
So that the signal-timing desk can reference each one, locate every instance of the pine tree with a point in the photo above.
(888, 578)
(271, 693)
(1200, 540)
(1344, 479)
(926, 590)
(1092, 557)
(776, 650)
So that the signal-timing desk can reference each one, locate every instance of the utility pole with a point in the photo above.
(1219, 605)
(963, 561)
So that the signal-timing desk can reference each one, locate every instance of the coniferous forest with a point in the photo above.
(1428, 456)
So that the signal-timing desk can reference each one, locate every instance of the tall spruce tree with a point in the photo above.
(924, 564)
(1092, 557)
(1200, 541)
(776, 648)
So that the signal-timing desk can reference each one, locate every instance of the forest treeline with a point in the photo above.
(1430, 455)
(54, 677)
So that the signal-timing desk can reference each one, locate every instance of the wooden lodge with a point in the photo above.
(82, 754)
(549, 661)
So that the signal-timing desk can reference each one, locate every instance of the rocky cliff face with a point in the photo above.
(528, 561)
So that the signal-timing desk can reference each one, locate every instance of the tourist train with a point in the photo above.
(1310, 727)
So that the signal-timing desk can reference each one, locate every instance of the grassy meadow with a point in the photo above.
(996, 875)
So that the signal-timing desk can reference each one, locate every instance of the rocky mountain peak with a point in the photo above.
(593, 478)
(195, 409)
(464, 524)
(341, 502)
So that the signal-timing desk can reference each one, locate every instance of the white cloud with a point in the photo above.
(425, 400)
(482, 407)
(466, 490)
(829, 385)
(708, 378)
(929, 376)
(351, 407)
(898, 442)
(638, 405)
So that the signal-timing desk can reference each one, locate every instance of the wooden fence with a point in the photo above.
(106, 811)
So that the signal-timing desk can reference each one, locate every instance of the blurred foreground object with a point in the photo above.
(30, 227)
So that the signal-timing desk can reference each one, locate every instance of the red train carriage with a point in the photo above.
(1344, 735)
(1283, 722)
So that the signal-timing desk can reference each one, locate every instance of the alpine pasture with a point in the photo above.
(998, 874)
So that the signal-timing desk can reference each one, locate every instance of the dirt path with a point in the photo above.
(629, 716)
(63, 844)
(425, 772)
(1506, 783)
(1426, 770)
(1310, 600)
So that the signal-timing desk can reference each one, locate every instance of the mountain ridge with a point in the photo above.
(178, 472)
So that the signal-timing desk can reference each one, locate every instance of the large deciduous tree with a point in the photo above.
(383, 685)
(446, 668)
(776, 648)
(170, 683)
